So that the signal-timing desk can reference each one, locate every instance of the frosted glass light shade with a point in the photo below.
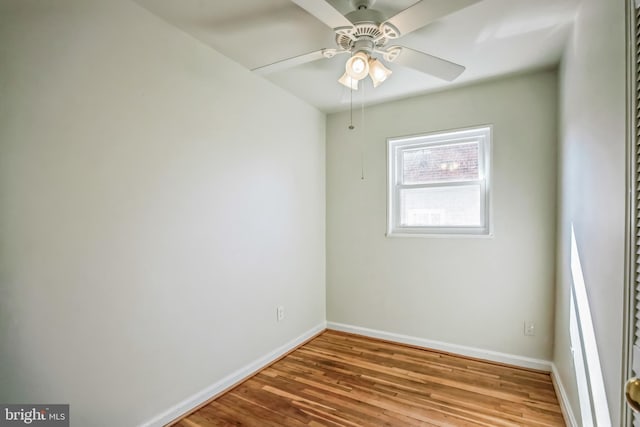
(357, 67)
(378, 72)
(348, 81)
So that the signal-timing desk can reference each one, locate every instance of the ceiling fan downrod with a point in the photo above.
(362, 4)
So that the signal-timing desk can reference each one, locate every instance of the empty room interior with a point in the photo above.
(310, 212)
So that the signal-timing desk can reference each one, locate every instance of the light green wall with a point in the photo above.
(158, 202)
(475, 292)
(592, 188)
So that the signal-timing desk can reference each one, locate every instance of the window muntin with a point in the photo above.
(439, 183)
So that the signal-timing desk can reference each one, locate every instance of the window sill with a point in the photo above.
(441, 235)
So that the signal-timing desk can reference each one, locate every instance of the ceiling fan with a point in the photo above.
(364, 32)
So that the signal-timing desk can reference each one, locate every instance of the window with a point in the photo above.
(439, 183)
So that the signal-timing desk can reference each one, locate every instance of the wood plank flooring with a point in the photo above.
(339, 379)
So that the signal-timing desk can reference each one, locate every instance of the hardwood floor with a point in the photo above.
(339, 379)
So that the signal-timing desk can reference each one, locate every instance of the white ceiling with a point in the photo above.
(490, 38)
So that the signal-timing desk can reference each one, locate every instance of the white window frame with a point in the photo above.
(397, 145)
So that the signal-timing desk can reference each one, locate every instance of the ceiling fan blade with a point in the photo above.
(425, 12)
(298, 60)
(324, 12)
(289, 62)
(429, 64)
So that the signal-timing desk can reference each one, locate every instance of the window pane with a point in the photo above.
(443, 163)
(441, 206)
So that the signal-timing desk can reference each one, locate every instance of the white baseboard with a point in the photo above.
(494, 356)
(561, 392)
(225, 383)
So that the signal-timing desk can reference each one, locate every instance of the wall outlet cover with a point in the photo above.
(529, 328)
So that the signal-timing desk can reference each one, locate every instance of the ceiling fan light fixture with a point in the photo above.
(357, 67)
(378, 72)
(348, 81)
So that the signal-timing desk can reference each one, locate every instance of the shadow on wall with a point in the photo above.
(593, 399)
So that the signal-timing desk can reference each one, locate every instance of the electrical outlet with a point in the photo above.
(280, 313)
(529, 328)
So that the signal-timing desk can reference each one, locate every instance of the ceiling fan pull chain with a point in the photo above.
(351, 127)
(362, 144)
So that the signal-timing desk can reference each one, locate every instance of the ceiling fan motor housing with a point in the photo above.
(368, 24)
(366, 27)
